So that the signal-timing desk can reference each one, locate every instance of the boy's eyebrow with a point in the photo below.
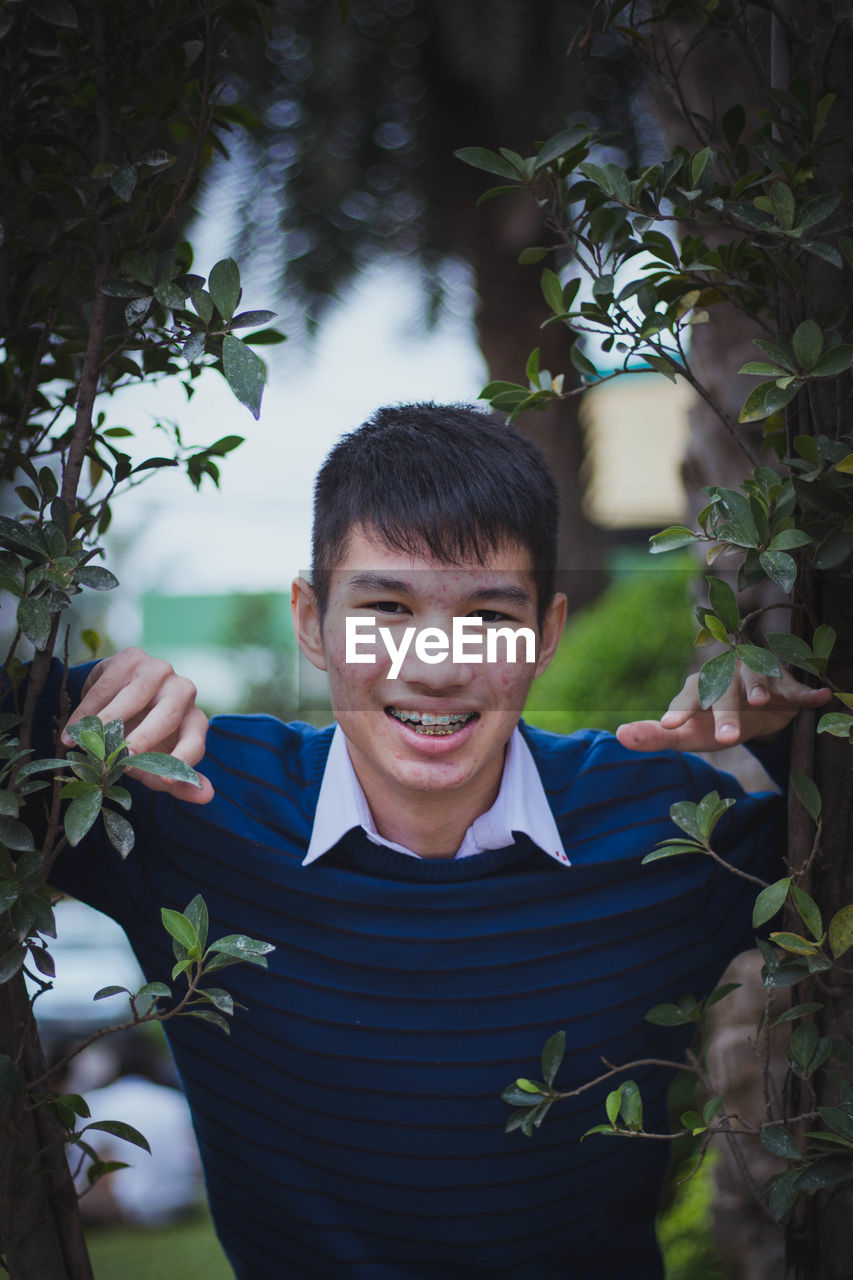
(508, 593)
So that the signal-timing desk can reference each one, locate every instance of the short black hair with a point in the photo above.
(452, 479)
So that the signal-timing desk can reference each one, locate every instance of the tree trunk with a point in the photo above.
(39, 1222)
(508, 319)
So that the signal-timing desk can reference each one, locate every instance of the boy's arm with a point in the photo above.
(159, 712)
(754, 708)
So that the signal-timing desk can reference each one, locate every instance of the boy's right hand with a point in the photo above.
(159, 713)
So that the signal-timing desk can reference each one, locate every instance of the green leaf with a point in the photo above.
(738, 525)
(110, 991)
(562, 142)
(16, 835)
(244, 373)
(517, 1097)
(533, 254)
(597, 1128)
(671, 851)
(807, 794)
(207, 1015)
(203, 304)
(81, 814)
(552, 291)
(776, 1139)
(780, 568)
(611, 1105)
(823, 641)
(766, 399)
(788, 540)
(59, 13)
(154, 989)
(808, 344)
(841, 931)
(711, 1109)
(119, 832)
(11, 963)
(723, 602)
(196, 913)
(553, 1052)
(23, 539)
(792, 649)
(164, 766)
(252, 319)
(93, 743)
(838, 723)
(720, 993)
(782, 1193)
(243, 948)
(833, 362)
(769, 901)
(676, 535)
(96, 577)
(179, 927)
(157, 159)
(715, 677)
(119, 1129)
(488, 161)
(793, 942)
(758, 659)
(224, 287)
(782, 200)
(632, 1105)
(708, 813)
(123, 182)
(668, 1015)
(797, 1011)
(35, 621)
(221, 999)
(809, 912)
(581, 363)
(758, 367)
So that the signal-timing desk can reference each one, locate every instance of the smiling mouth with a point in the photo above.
(429, 724)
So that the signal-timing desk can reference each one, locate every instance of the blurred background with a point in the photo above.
(349, 216)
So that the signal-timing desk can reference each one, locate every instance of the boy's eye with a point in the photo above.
(387, 606)
(489, 615)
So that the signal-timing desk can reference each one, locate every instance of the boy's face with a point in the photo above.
(395, 755)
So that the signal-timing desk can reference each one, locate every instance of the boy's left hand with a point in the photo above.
(753, 707)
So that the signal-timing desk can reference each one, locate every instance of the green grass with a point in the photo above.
(684, 1227)
(187, 1250)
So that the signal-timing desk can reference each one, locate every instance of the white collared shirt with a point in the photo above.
(521, 805)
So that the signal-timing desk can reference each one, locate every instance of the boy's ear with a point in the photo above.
(552, 629)
(306, 622)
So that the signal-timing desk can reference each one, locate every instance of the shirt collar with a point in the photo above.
(521, 805)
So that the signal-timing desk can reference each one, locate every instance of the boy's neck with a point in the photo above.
(431, 824)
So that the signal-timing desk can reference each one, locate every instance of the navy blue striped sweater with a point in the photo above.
(352, 1125)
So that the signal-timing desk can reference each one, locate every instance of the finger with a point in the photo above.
(684, 705)
(180, 790)
(726, 713)
(173, 717)
(792, 690)
(645, 735)
(119, 688)
(755, 687)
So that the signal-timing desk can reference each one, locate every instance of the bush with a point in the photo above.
(620, 658)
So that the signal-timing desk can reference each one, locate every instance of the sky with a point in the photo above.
(253, 533)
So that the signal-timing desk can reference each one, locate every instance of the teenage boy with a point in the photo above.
(444, 886)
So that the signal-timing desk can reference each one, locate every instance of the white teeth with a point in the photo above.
(430, 717)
